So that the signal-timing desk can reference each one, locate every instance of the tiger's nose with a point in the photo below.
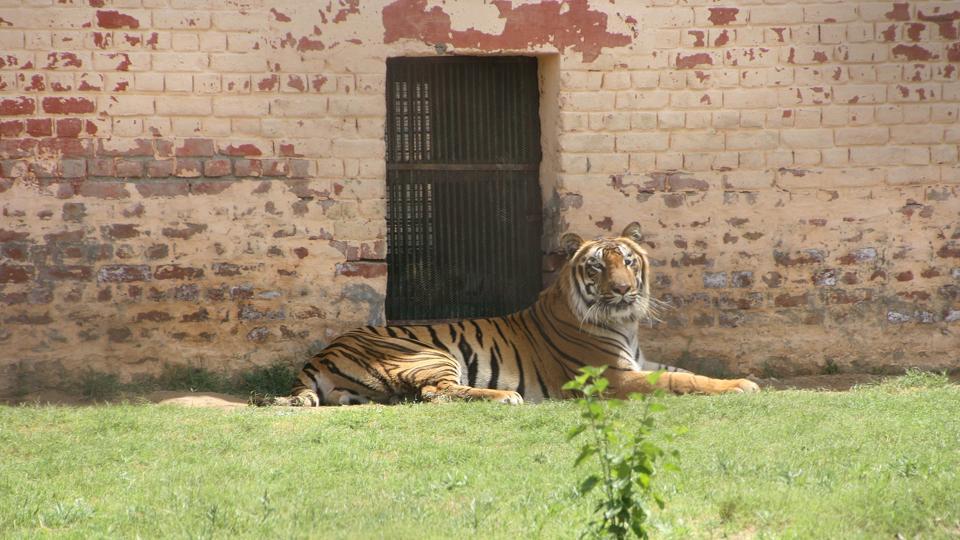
(620, 288)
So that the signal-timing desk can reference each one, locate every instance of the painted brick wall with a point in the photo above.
(203, 181)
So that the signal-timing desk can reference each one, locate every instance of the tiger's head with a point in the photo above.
(608, 279)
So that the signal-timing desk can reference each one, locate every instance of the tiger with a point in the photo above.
(589, 315)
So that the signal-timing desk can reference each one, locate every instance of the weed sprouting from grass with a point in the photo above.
(63, 514)
(727, 509)
(627, 456)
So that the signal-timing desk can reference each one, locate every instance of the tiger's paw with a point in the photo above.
(511, 398)
(261, 400)
(744, 386)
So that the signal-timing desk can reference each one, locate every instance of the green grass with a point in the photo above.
(873, 463)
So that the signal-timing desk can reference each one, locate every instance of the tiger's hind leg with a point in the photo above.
(447, 391)
(436, 376)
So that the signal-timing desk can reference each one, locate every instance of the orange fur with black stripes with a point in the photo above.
(589, 315)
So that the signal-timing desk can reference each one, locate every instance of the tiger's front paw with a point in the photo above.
(744, 386)
(511, 398)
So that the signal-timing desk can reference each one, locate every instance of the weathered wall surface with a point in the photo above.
(203, 181)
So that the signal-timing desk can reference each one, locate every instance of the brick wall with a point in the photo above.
(203, 181)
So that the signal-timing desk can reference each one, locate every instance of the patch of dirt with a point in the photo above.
(164, 397)
(196, 399)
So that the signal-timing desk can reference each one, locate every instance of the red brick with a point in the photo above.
(119, 335)
(37, 83)
(13, 298)
(115, 19)
(15, 273)
(69, 127)
(120, 231)
(693, 60)
(722, 16)
(786, 300)
(226, 269)
(184, 233)
(128, 168)
(157, 251)
(25, 318)
(12, 128)
(188, 168)
(67, 147)
(175, 188)
(299, 168)
(17, 148)
(241, 150)
(61, 105)
(904, 276)
(160, 168)
(362, 269)
(103, 190)
(17, 106)
(13, 236)
(64, 236)
(275, 167)
(197, 316)
(16, 252)
(164, 148)
(216, 167)
(123, 273)
(73, 168)
(195, 148)
(100, 167)
(40, 127)
(175, 271)
(153, 316)
(44, 169)
(288, 150)
(66, 273)
(247, 167)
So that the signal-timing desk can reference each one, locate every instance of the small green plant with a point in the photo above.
(912, 379)
(830, 367)
(626, 455)
(98, 386)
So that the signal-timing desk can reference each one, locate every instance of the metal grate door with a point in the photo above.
(463, 209)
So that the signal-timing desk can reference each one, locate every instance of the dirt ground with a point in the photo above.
(828, 383)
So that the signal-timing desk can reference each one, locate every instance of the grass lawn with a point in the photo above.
(873, 462)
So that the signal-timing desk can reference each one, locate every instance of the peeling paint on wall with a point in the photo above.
(570, 24)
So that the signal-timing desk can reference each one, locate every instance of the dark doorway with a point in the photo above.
(463, 208)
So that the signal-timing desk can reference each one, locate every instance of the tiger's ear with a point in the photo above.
(632, 231)
(570, 243)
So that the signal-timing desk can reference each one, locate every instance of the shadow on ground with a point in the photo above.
(829, 383)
